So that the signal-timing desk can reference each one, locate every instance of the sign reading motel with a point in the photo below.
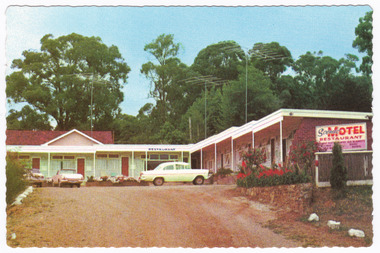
(349, 136)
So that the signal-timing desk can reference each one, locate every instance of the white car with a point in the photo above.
(174, 172)
(67, 176)
(34, 177)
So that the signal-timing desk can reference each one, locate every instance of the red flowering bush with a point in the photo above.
(303, 155)
(252, 159)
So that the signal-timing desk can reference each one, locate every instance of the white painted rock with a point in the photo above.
(333, 224)
(356, 233)
(16, 203)
(13, 236)
(25, 193)
(22, 195)
(313, 217)
(29, 189)
(19, 199)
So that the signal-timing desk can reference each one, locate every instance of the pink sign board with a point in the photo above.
(350, 136)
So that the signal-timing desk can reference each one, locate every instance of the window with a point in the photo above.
(107, 165)
(169, 167)
(154, 157)
(60, 162)
(23, 157)
(164, 157)
(182, 167)
(143, 156)
(174, 157)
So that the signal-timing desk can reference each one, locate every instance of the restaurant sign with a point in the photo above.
(350, 136)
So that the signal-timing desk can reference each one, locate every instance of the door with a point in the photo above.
(125, 166)
(80, 166)
(35, 163)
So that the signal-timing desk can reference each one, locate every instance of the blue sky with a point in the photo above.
(300, 29)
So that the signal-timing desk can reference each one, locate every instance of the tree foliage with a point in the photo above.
(363, 42)
(271, 58)
(219, 60)
(338, 174)
(56, 83)
(27, 119)
(261, 99)
(53, 81)
(162, 73)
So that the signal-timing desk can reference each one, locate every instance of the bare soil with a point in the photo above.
(167, 216)
(353, 210)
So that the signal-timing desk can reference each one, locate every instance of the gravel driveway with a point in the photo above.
(167, 216)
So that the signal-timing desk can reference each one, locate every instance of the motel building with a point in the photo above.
(95, 154)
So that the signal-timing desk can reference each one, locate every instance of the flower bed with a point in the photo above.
(271, 177)
(295, 197)
(114, 181)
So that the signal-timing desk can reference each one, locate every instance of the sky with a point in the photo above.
(300, 29)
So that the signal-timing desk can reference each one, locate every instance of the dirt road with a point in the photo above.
(167, 216)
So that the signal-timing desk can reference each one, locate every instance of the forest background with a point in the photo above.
(76, 82)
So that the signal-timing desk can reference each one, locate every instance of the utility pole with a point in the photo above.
(206, 80)
(86, 75)
(191, 139)
(258, 51)
(92, 91)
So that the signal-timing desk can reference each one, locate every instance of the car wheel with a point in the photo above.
(198, 180)
(158, 181)
(78, 185)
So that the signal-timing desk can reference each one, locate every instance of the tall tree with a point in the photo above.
(271, 58)
(27, 119)
(54, 82)
(363, 42)
(323, 82)
(219, 60)
(162, 73)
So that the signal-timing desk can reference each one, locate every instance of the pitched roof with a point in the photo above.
(28, 137)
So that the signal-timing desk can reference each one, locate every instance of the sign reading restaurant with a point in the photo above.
(350, 136)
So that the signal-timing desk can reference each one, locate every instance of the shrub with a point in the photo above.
(272, 177)
(338, 173)
(16, 182)
(252, 160)
(303, 154)
(223, 172)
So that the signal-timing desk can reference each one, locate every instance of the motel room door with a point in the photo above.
(35, 163)
(80, 166)
(125, 166)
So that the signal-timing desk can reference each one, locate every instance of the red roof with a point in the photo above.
(28, 137)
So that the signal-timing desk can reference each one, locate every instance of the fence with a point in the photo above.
(358, 164)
